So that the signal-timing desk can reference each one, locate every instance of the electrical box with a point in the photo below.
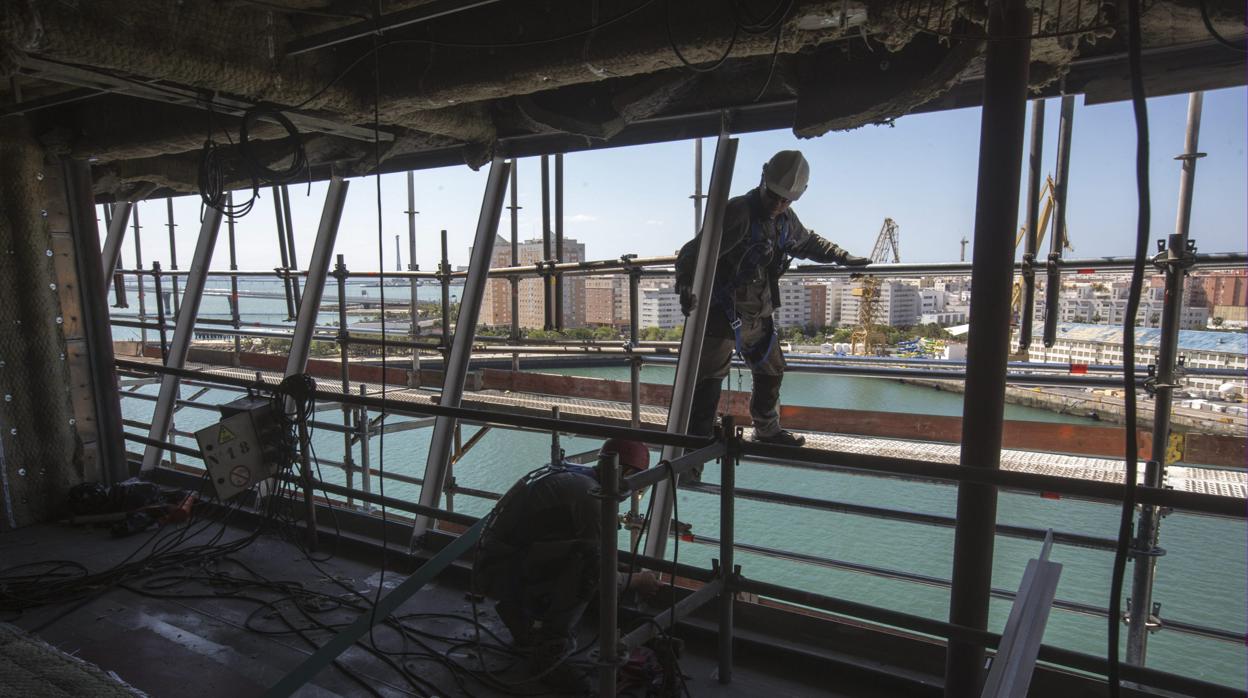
(243, 448)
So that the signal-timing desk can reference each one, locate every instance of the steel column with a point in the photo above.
(173, 251)
(548, 281)
(234, 311)
(413, 283)
(727, 539)
(138, 264)
(456, 366)
(280, 220)
(697, 186)
(634, 365)
(608, 565)
(183, 331)
(559, 240)
(111, 256)
(93, 273)
(1175, 259)
(694, 334)
(515, 261)
(444, 269)
(318, 273)
(988, 346)
(1053, 282)
(1034, 173)
(290, 245)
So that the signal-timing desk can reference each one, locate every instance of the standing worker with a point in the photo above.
(761, 237)
(539, 560)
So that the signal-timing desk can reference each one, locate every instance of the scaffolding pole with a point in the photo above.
(1053, 281)
(1034, 172)
(413, 283)
(1175, 259)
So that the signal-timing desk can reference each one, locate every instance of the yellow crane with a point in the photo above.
(1042, 225)
(865, 336)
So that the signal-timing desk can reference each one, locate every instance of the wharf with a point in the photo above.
(1213, 481)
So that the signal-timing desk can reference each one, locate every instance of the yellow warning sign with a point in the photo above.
(225, 435)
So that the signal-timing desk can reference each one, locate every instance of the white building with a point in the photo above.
(1102, 344)
(660, 307)
(944, 318)
(794, 305)
(897, 304)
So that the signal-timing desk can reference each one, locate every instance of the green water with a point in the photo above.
(1202, 580)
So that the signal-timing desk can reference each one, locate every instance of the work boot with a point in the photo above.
(548, 662)
(784, 437)
(519, 627)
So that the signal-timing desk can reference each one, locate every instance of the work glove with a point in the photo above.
(688, 300)
(855, 261)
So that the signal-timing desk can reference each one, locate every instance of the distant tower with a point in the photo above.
(964, 241)
(398, 258)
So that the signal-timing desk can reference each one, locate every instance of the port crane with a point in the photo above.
(865, 336)
(1042, 226)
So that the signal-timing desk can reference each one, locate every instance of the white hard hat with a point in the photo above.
(786, 174)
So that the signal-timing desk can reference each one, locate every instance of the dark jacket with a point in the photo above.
(735, 254)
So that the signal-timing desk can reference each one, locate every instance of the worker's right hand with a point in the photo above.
(855, 261)
(688, 300)
(645, 584)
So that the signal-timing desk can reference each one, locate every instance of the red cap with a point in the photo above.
(633, 454)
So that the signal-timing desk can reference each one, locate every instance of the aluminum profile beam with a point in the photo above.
(1010, 675)
(318, 274)
(110, 258)
(694, 334)
(183, 330)
(456, 368)
(988, 344)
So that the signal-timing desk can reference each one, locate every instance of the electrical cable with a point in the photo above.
(1204, 17)
(1143, 223)
(671, 40)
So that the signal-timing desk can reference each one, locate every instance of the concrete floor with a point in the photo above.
(198, 645)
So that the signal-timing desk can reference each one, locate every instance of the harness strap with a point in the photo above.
(723, 294)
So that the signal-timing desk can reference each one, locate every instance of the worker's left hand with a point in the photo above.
(855, 261)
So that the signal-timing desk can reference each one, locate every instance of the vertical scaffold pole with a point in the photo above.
(1034, 172)
(983, 407)
(548, 281)
(727, 541)
(1053, 280)
(280, 220)
(142, 293)
(444, 271)
(697, 186)
(173, 251)
(1175, 259)
(235, 318)
(344, 366)
(515, 262)
(559, 309)
(456, 366)
(694, 334)
(183, 330)
(290, 244)
(111, 256)
(608, 564)
(413, 283)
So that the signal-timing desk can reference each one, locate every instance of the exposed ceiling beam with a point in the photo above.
(101, 81)
(416, 15)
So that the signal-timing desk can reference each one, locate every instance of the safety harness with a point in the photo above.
(724, 293)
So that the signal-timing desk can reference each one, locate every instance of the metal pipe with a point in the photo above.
(138, 263)
(344, 369)
(117, 221)
(559, 319)
(673, 468)
(318, 272)
(455, 368)
(1175, 259)
(697, 186)
(364, 434)
(515, 261)
(634, 366)
(173, 251)
(1034, 173)
(547, 280)
(281, 246)
(988, 345)
(413, 284)
(93, 274)
(608, 565)
(1053, 283)
(234, 310)
(306, 481)
(160, 312)
(184, 329)
(444, 268)
(694, 334)
(290, 244)
(727, 536)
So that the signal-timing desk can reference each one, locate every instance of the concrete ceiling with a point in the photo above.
(129, 83)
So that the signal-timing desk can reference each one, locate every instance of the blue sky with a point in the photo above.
(920, 172)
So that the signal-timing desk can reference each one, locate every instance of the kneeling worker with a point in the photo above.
(761, 237)
(539, 560)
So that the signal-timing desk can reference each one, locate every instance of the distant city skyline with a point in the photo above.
(920, 172)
